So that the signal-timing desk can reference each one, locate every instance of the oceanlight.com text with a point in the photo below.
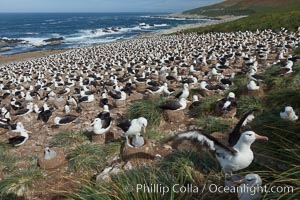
(211, 188)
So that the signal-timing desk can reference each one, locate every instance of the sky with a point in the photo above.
(101, 5)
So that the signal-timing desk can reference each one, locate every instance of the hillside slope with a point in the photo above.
(262, 14)
(243, 7)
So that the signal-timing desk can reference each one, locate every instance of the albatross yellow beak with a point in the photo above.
(259, 137)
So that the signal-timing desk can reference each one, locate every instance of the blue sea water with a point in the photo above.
(79, 29)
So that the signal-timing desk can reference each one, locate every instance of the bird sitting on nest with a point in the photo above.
(25, 111)
(45, 114)
(227, 106)
(184, 93)
(119, 95)
(49, 153)
(287, 69)
(65, 120)
(248, 187)
(20, 139)
(289, 114)
(87, 99)
(194, 107)
(156, 89)
(174, 105)
(103, 122)
(134, 128)
(253, 86)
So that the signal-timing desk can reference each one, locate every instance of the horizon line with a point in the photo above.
(61, 12)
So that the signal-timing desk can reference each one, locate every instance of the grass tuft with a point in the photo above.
(18, 185)
(207, 107)
(246, 103)
(297, 51)
(155, 134)
(69, 139)
(213, 124)
(146, 108)
(180, 168)
(91, 157)
(3, 146)
(7, 163)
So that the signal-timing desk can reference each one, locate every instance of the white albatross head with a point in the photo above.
(248, 137)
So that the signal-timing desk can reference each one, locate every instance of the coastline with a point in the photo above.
(37, 54)
(214, 21)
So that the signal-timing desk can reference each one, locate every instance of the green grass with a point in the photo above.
(155, 134)
(213, 124)
(246, 103)
(7, 163)
(89, 158)
(274, 21)
(148, 109)
(179, 168)
(297, 51)
(244, 8)
(239, 85)
(19, 185)
(3, 146)
(207, 107)
(69, 139)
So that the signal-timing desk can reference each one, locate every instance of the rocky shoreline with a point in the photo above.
(55, 41)
(213, 21)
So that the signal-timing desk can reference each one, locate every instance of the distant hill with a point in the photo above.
(261, 14)
(243, 7)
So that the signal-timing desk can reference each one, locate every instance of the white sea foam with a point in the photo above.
(173, 18)
(161, 25)
(31, 33)
(35, 41)
(95, 34)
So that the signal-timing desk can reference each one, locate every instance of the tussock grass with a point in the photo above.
(281, 98)
(155, 134)
(297, 50)
(7, 162)
(19, 185)
(281, 157)
(3, 147)
(147, 108)
(239, 84)
(179, 168)
(246, 103)
(213, 124)
(91, 157)
(275, 82)
(207, 107)
(69, 139)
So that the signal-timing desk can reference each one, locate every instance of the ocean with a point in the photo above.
(77, 29)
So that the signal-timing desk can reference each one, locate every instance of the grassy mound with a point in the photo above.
(69, 139)
(89, 158)
(148, 109)
(19, 185)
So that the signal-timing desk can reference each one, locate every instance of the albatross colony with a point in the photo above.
(69, 89)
